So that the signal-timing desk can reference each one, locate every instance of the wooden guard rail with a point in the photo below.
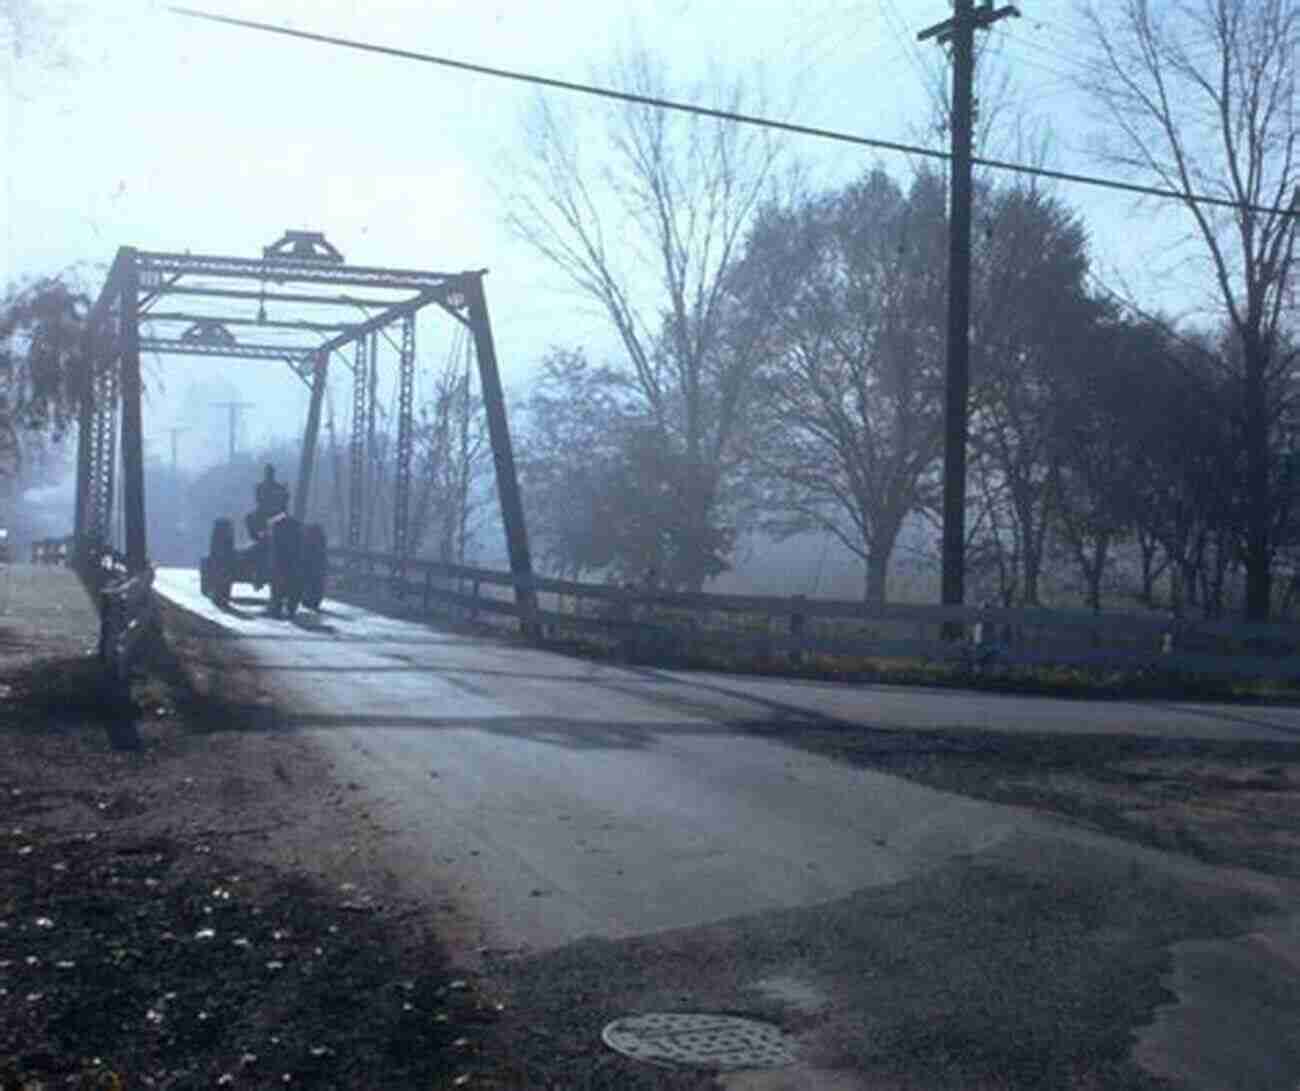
(794, 627)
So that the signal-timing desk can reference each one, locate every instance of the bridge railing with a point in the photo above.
(643, 622)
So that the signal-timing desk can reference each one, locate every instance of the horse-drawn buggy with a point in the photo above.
(283, 552)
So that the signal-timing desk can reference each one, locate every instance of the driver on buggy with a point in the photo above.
(272, 499)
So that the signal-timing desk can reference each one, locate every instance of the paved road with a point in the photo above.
(568, 799)
(583, 799)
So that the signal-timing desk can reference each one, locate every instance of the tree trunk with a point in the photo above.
(1033, 568)
(1148, 547)
(1188, 583)
(880, 549)
(1094, 568)
(878, 573)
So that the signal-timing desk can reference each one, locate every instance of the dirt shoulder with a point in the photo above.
(202, 911)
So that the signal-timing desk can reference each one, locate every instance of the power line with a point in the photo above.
(726, 115)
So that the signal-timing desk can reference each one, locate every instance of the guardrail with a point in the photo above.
(53, 550)
(645, 622)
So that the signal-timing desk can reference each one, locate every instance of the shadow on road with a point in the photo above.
(1229, 717)
(554, 731)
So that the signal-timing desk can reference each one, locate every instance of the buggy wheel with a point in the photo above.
(314, 563)
(218, 582)
(217, 570)
(221, 546)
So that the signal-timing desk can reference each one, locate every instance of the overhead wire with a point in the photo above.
(820, 43)
(1053, 83)
(914, 56)
(737, 117)
(1036, 60)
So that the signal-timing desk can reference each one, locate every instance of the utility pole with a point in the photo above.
(959, 31)
(235, 409)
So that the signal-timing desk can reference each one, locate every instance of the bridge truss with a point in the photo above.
(300, 304)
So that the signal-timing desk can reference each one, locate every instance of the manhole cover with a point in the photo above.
(704, 1041)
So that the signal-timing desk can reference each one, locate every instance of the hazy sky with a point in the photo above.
(169, 133)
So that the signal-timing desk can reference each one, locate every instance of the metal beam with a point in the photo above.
(307, 456)
(108, 295)
(176, 347)
(405, 439)
(103, 457)
(266, 323)
(137, 554)
(379, 321)
(85, 439)
(494, 403)
(454, 301)
(150, 298)
(275, 297)
(357, 450)
(374, 470)
(154, 265)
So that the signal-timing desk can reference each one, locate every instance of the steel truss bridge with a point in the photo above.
(311, 307)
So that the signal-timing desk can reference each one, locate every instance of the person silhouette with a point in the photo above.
(272, 495)
(272, 499)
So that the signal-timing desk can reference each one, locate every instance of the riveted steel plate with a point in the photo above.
(699, 1040)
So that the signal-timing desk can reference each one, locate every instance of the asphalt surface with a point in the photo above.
(581, 807)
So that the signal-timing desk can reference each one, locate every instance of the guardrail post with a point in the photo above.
(983, 640)
(623, 613)
(798, 620)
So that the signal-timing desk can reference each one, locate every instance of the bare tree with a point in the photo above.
(452, 450)
(648, 230)
(1032, 315)
(575, 428)
(1102, 458)
(850, 289)
(1203, 97)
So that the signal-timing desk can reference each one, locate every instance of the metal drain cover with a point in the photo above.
(699, 1040)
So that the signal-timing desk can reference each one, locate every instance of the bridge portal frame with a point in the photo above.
(304, 273)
